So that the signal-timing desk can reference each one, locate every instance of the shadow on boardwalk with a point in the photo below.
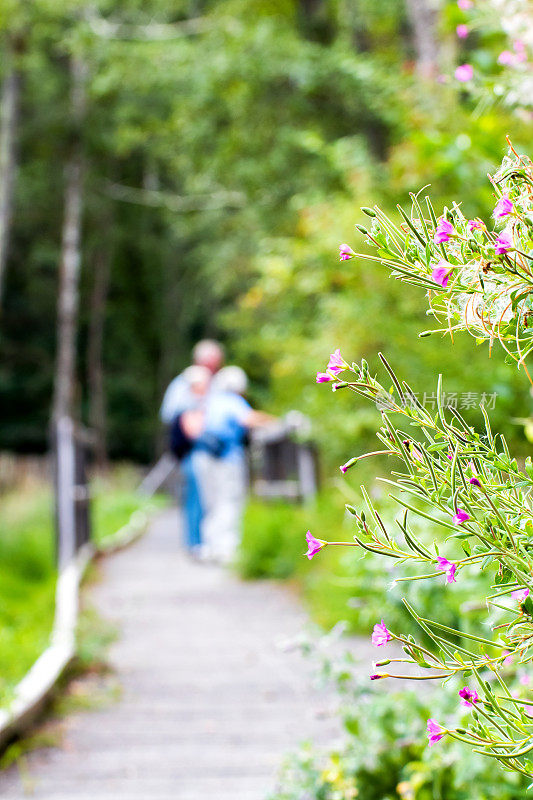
(210, 702)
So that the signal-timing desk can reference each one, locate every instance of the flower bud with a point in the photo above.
(362, 229)
(368, 211)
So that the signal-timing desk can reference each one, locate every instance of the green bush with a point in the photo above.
(386, 757)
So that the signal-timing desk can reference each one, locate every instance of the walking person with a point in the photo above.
(182, 412)
(228, 418)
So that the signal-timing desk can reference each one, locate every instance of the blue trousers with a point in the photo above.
(192, 503)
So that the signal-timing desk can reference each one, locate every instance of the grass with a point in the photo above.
(115, 500)
(27, 582)
(27, 563)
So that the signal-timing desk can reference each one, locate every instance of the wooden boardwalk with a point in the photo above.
(210, 702)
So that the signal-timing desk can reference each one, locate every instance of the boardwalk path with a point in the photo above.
(210, 702)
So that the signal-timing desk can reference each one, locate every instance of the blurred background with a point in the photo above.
(174, 170)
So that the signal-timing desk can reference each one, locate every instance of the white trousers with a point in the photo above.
(223, 491)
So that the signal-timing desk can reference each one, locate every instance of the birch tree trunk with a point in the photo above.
(423, 16)
(69, 269)
(95, 367)
(8, 161)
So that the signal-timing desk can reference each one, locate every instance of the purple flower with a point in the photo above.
(380, 634)
(434, 732)
(377, 677)
(475, 482)
(462, 31)
(469, 697)
(447, 567)
(313, 545)
(323, 377)
(504, 207)
(460, 517)
(475, 225)
(336, 362)
(441, 273)
(345, 252)
(520, 595)
(503, 244)
(444, 231)
(464, 73)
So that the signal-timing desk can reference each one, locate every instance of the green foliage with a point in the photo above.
(342, 585)
(117, 503)
(384, 759)
(27, 582)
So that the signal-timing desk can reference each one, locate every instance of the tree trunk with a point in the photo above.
(69, 271)
(423, 16)
(8, 161)
(95, 369)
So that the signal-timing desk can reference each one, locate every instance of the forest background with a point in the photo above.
(191, 168)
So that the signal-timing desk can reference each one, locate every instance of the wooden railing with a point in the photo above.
(71, 446)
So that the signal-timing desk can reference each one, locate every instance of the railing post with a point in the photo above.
(65, 481)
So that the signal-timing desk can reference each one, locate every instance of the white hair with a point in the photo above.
(196, 375)
(231, 379)
(206, 349)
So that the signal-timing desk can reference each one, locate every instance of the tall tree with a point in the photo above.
(70, 258)
(423, 16)
(101, 264)
(8, 161)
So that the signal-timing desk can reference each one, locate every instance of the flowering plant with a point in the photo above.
(464, 482)
(478, 277)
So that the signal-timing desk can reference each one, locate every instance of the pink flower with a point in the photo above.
(520, 50)
(380, 634)
(323, 377)
(525, 680)
(444, 231)
(504, 207)
(475, 482)
(345, 252)
(434, 732)
(448, 567)
(469, 697)
(508, 660)
(503, 244)
(441, 273)
(506, 58)
(462, 31)
(377, 677)
(460, 517)
(520, 595)
(475, 225)
(464, 73)
(414, 451)
(464, 5)
(313, 545)
(336, 362)
(344, 467)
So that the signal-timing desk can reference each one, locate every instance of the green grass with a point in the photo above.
(114, 500)
(27, 582)
(27, 565)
